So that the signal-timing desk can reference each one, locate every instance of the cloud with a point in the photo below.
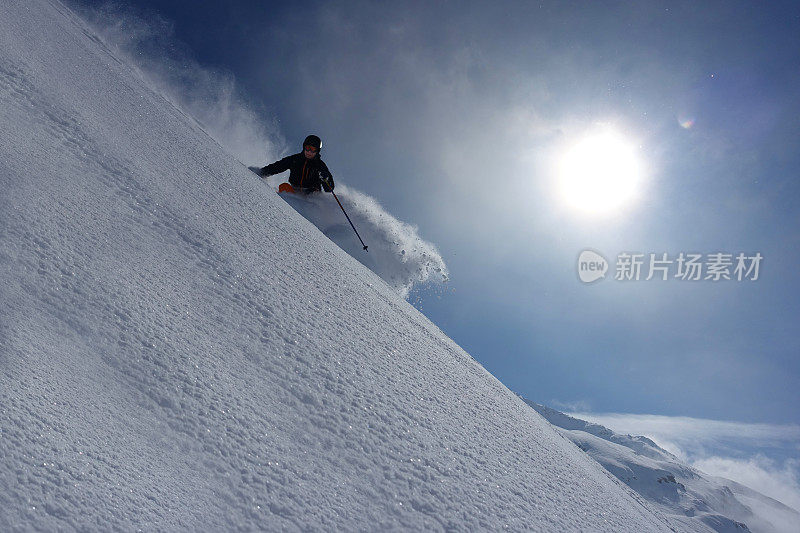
(780, 481)
(147, 43)
(695, 434)
(760, 456)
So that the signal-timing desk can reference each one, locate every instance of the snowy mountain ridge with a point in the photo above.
(180, 350)
(683, 492)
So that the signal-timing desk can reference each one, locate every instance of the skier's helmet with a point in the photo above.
(313, 140)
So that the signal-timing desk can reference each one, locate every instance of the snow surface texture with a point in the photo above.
(180, 350)
(695, 500)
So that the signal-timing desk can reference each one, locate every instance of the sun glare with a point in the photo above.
(600, 174)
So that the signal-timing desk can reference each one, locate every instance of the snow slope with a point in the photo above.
(692, 497)
(180, 350)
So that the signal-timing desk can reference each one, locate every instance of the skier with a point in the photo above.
(307, 172)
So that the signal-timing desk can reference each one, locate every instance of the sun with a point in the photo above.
(599, 174)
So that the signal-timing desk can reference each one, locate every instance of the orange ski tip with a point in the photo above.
(285, 187)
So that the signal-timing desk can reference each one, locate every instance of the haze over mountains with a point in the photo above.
(690, 496)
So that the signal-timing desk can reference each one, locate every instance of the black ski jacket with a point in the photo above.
(304, 174)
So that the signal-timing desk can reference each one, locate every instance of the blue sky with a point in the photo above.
(452, 114)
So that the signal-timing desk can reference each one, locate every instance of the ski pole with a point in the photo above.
(350, 221)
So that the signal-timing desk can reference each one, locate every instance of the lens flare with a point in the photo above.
(686, 122)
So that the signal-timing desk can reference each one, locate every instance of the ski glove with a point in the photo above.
(326, 184)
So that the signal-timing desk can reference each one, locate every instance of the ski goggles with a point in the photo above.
(311, 149)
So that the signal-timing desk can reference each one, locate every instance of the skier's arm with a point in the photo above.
(326, 177)
(277, 166)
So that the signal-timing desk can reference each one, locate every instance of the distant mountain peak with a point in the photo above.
(695, 500)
